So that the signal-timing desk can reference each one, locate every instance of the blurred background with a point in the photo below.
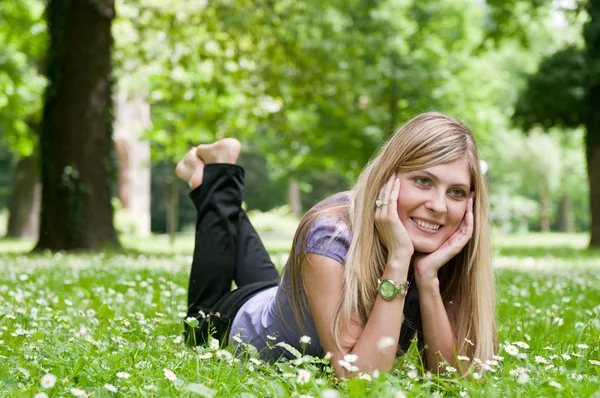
(99, 100)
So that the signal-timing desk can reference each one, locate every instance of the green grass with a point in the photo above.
(86, 318)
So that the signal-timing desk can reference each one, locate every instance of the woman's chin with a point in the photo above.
(425, 247)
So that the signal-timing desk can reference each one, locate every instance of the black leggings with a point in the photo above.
(227, 249)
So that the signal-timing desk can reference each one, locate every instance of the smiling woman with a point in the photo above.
(405, 251)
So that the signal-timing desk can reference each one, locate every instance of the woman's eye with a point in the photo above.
(458, 192)
(422, 181)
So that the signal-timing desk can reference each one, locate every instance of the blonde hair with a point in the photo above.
(467, 280)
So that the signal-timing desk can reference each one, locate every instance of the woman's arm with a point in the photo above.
(323, 283)
(439, 344)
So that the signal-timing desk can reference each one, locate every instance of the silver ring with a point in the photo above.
(379, 203)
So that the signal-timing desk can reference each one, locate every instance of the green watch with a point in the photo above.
(388, 289)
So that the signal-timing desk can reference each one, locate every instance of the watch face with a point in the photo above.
(388, 290)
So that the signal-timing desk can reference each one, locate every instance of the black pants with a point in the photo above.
(227, 249)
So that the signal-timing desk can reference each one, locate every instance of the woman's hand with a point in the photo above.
(427, 265)
(392, 233)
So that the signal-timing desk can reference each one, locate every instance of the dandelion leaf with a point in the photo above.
(290, 349)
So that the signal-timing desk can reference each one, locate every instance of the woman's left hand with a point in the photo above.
(427, 265)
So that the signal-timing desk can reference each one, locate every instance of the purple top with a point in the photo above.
(269, 313)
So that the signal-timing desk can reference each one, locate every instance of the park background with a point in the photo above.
(100, 99)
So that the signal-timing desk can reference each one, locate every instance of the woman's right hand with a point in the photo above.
(390, 229)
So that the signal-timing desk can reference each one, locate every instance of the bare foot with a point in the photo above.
(190, 169)
(226, 150)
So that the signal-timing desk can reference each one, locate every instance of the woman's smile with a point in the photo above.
(432, 203)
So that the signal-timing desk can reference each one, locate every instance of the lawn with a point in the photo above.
(110, 325)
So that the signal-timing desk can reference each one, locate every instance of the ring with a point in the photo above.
(379, 203)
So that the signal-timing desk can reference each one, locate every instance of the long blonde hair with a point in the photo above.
(467, 280)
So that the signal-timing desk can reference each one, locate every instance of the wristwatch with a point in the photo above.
(388, 289)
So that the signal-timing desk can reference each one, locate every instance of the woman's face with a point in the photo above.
(432, 203)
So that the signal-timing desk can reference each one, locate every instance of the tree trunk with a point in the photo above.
(544, 219)
(566, 222)
(24, 206)
(593, 164)
(76, 133)
(591, 34)
(294, 197)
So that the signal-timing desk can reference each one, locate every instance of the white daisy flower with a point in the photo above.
(110, 387)
(123, 375)
(555, 384)
(214, 344)
(384, 343)
(511, 350)
(48, 381)
(523, 378)
(351, 358)
(303, 376)
(305, 340)
(78, 392)
(169, 374)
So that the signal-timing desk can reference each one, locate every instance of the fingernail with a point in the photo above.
(397, 181)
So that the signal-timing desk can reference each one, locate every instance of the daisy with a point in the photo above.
(450, 369)
(594, 362)
(206, 355)
(582, 346)
(303, 376)
(169, 374)
(48, 381)
(555, 384)
(78, 392)
(110, 387)
(255, 361)
(412, 374)
(351, 358)
(463, 358)
(40, 395)
(214, 344)
(123, 375)
(385, 342)
(566, 357)
(523, 378)
(237, 338)
(522, 344)
(511, 350)
(223, 354)
(305, 340)
(329, 393)
(540, 359)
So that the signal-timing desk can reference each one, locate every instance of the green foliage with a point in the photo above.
(22, 45)
(556, 94)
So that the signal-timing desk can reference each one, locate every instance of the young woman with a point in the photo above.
(406, 251)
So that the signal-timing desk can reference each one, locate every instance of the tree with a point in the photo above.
(75, 138)
(565, 92)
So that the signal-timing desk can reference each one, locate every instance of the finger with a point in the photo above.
(393, 199)
(388, 191)
(380, 196)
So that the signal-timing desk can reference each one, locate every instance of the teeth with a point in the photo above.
(426, 224)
